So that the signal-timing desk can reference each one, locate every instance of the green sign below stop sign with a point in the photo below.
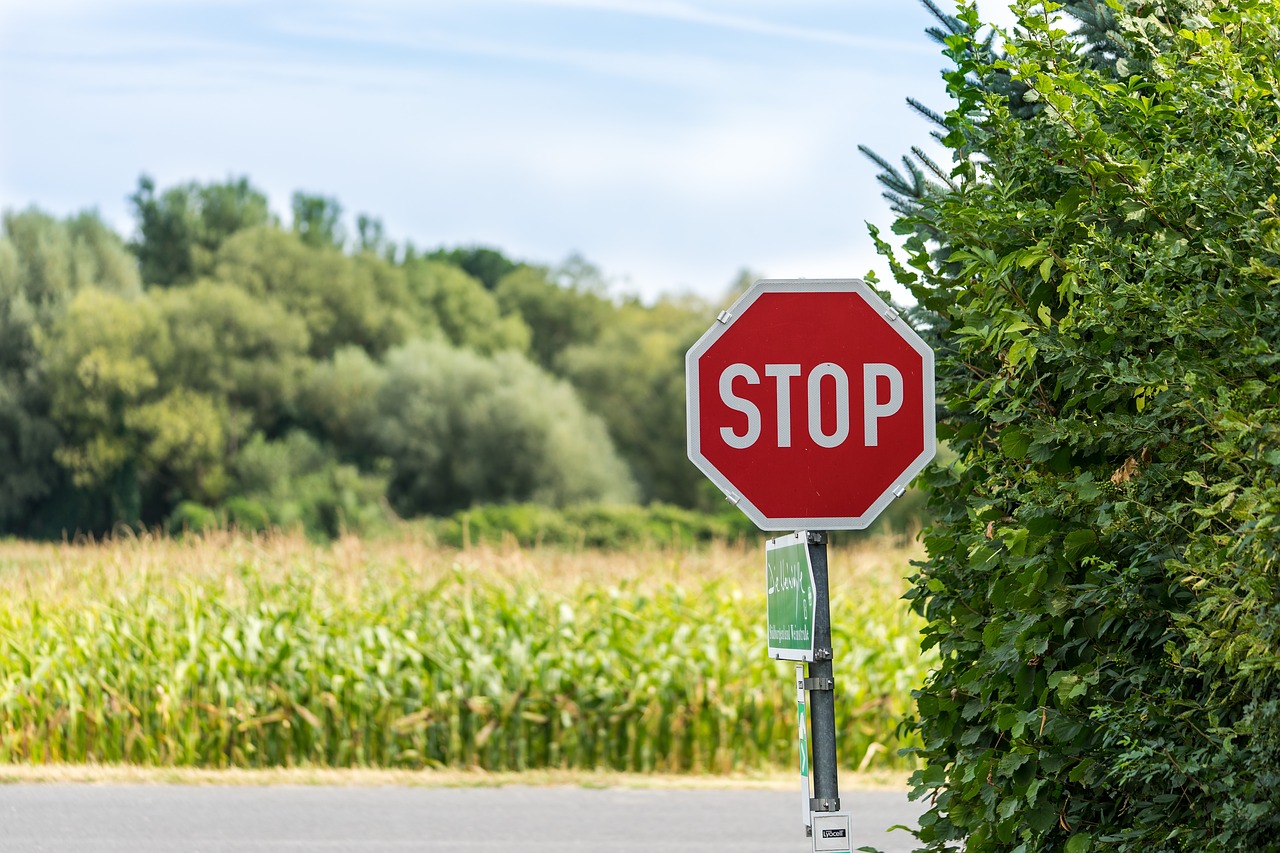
(791, 596)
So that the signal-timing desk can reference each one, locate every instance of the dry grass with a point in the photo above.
(54, 572)
(97, 774)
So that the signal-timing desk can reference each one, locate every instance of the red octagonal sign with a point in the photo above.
(810, 404)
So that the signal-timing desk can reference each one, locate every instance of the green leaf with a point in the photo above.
(1042, 818)
(1078, 543)
(1015, 442)
(1085, 487)
(1046, 268)
(1081, 842)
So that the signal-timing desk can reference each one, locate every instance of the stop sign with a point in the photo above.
(810, 404)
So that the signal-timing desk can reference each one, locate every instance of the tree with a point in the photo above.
(1101, 573)
(486, 265)
(362, 301)
(317, 220)
(181, 229)
(135, 440)
(459, 306)
(633, 376)
(371, 238)
(339, 401)
(460, 429)
(102, 360)
(559, 315)
(247, 351)
(297, 480)
(43, 264)
(51, 260)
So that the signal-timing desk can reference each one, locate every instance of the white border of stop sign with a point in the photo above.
(780, 377)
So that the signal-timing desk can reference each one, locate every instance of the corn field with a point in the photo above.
(231, 652)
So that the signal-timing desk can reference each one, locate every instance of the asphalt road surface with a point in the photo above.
(212, 819)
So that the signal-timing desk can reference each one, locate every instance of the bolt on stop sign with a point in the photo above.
(810, 404)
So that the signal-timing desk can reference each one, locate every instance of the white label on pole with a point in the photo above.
(832, 832)
(804, 747)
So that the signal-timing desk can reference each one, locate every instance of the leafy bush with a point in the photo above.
(608, 526)
(247, 515)
(1102, 574)
(299, 483)
(460, 429)
(191, 517)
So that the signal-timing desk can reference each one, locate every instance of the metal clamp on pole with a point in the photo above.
(819, 684)
(824, 804)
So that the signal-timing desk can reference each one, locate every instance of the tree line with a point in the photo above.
(224, 363)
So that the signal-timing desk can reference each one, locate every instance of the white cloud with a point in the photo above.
(668, 69)
(693, 14)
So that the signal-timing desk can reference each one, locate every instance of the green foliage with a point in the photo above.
(121, 405)
(558, 315)
(1101, 581)
(317, 220)
(461, 429)
(488, 266)
(370, 238)
(632, 373)
(191, 517)
(461, 307)
(297, 483)
(605, 526)
(182, 437)
(53, 260)
(339, 400)
(341, 300)
(103, 359)
(43, 264)
(181, 228)
(247, 351)
(248, 515)
(128, 438)
(920, 175)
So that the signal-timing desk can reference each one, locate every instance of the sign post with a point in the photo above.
(822, 687)
(799, 623)
(811, 406)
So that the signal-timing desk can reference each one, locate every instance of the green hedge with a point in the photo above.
(1103, 580)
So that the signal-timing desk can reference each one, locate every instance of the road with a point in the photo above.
(214, 819)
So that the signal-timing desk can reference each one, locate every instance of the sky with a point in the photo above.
(672, 143)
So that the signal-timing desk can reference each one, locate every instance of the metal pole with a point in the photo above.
(822, 697)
